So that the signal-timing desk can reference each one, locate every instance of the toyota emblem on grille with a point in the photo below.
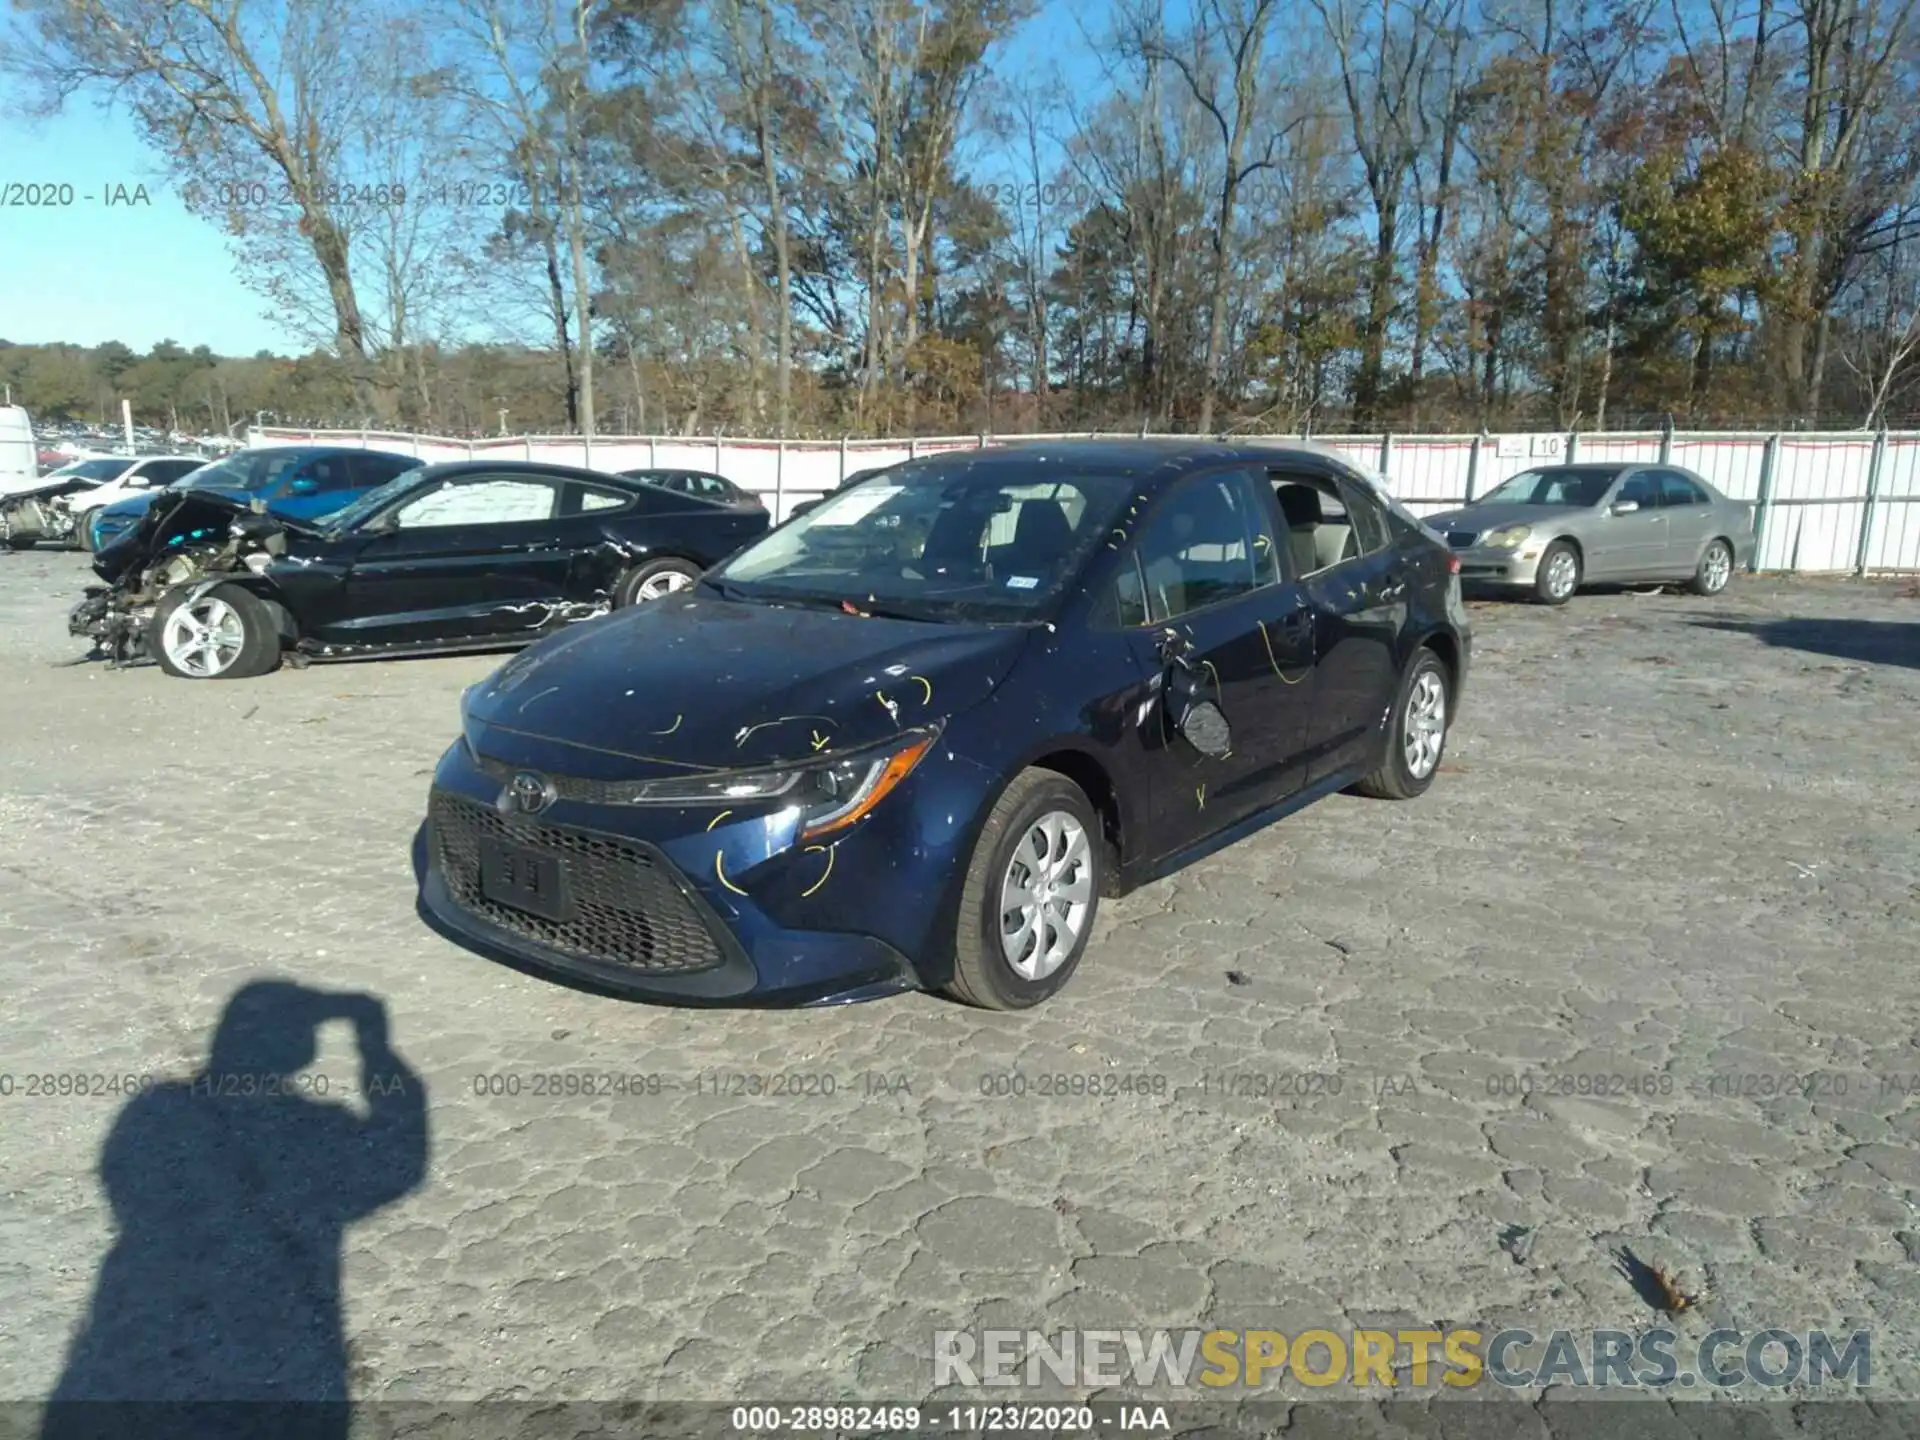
(528, 793)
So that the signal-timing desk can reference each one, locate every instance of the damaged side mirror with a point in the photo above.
(1196, 718)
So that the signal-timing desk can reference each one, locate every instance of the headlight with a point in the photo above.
(831, 793)
(1507, 537)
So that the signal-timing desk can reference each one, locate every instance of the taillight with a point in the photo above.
(1453, 563)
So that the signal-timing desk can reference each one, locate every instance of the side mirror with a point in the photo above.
(1625, 507)
(303, 485)
(1197, 719)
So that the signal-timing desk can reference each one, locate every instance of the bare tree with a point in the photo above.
(251, 108)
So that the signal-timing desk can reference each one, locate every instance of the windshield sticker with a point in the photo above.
(856, 505)
(1023, 582)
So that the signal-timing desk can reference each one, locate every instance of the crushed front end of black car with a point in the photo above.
(194, 536)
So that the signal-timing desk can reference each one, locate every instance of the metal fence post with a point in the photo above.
(913, 448)
(843, 457)
(716, 449)
(1386, 450)
(1873, 493)
(526, 444)
(1573, 447)
(981, 441)
(1473, 468)
(779, 476)
(653, 452)
(1666, 442)
(1760, 504)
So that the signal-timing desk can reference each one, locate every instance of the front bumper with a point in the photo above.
(689, 912)
(1485, 565)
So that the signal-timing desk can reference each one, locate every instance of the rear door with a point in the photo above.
(1358, 594)
(1203, 591)
(472, 558)
(1689, 516)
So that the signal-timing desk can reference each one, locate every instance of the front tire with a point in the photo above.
(1417, 736)
(1715, 569)
(1031, 896)
(1558, 575)
(228, 633)
(653, 580)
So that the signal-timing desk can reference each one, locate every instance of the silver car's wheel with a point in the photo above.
(1046, 895)
(203, 638)
(655, 580)
(1559, 574)
(1424, 729)
(1716, 569)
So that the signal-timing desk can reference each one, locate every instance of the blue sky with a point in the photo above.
(91, 271)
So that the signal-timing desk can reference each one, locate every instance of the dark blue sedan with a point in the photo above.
(301, 482)
(910, 739)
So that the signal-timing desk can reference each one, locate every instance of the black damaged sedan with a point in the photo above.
(474, 555)
(910, 739)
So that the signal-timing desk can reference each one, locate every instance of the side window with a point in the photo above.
(329, 473)
(1677, 489)
(582, 499)
(165, 472)
(1207, 541)
(1641, 489)
(481, 500)
(1369, 521)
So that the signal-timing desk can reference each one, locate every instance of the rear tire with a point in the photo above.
(1715, 569)
(1558, 575)
(1043, 842)
(228, 633)
(653, 580)
(1408, 767)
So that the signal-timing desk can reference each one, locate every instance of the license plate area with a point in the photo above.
(529, 880)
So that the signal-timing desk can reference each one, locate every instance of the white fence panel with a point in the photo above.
(1813, 500)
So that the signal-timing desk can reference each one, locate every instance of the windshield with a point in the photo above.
(351, 514)
(932, 541)
(101, 470)
(253, 473)
(1554, 485)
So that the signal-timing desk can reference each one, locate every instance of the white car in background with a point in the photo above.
(63, 504)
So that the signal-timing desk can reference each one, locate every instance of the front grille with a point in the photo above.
(570, 787)
(629, 908)
(1462, 539)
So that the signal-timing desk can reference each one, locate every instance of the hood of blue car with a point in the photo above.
(691, 680)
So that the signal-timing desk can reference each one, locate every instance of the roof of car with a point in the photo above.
(1137, 459)
(450, 468)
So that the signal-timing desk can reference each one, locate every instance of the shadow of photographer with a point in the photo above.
(231, 1194)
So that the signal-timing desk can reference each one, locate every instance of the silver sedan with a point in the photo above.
(1554, 529)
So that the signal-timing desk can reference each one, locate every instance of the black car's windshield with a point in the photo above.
(378, 498)
(1553, 485)
(101, 470)
(251, 473)
(935, 542)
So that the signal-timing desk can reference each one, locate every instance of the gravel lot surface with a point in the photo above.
(1676, 842)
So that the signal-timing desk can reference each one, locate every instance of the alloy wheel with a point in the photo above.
(1425, 730)
(1561, 574)
(665, 583)
(1046, 895)
(1716, 569)
(205, 637)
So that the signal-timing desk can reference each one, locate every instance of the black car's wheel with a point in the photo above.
(1710, 577)
(1417, 734)
(1559, 574)
(225, 634)
(1031, 894)
(654, 579)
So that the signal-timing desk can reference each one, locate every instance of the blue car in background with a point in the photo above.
(301, 482)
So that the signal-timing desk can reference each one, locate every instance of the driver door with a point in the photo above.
(468, 559)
